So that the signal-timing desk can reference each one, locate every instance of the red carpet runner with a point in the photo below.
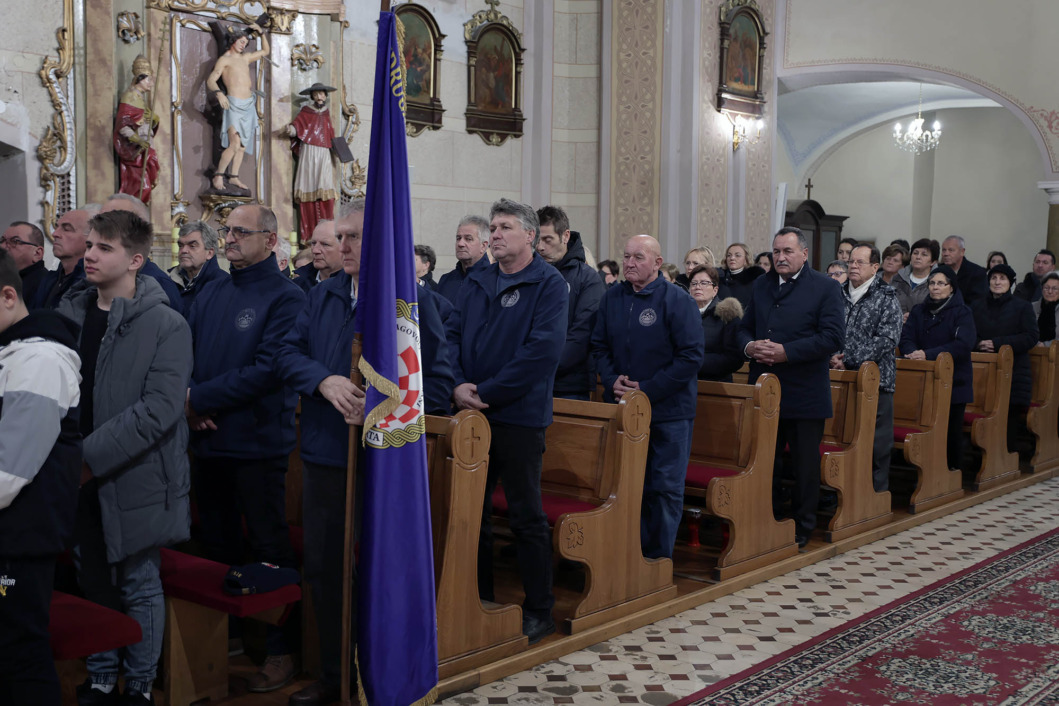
(988, 635)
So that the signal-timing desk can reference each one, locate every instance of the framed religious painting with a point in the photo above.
(494, 86)
(742, 58)
(422, 60)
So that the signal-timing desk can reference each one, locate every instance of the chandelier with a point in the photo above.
(917, 140)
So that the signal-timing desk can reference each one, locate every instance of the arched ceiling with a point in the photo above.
(813, 120)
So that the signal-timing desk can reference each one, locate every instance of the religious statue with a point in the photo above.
(312, 138)
(238, 100)
(134, 126)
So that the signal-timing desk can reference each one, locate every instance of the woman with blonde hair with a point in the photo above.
(739, 273)
(696, 257)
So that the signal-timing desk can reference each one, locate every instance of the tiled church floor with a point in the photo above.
(672, 658)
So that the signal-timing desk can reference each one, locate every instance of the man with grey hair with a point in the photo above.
(282, 253)
(971, 278)
(197, 261)
(506, 336)
(68, 245)
(25, 243)
(240, 412)
(126, 202)
(472, 240)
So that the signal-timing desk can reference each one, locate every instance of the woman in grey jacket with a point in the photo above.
(135, 481)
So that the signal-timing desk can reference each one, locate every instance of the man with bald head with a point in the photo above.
(648, 336)
(240, 412)
(68, 245)
(125, 202)
(25, 243)
(795, 321)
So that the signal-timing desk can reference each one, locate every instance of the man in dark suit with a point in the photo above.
(970, 278)
(793, 324)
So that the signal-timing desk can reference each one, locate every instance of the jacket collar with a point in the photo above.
(575, 252)
(37, 266)
(651, 287)
(149, 294)
(256, 273)
(488, 277)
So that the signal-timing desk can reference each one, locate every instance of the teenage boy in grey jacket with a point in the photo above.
(136, 363)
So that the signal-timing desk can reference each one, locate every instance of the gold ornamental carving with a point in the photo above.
(221, 206)
(246, 11)
(727, 7)
(575, 536)
(306, 58)
(280, 21)
(483, 17)
(354, 177)
(56, 149)
(130, 28)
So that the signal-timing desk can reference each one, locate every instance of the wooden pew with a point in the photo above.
(742, 376)
(846, 453)
(987, 417)
(1043, 416)
(921, 415)
(469, 633)
(592, 485)
(732, 455)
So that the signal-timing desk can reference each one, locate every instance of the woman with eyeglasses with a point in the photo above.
(1046, 309)
(720, 326)
(944, 324)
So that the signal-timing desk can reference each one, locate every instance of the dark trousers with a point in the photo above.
(515, 457)
(884, 442)
(27, 670)
(954, 444)
(663, 493)
(324, 512)
(802, 437)
(229, 489)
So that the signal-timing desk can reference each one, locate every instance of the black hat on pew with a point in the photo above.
(258, 578)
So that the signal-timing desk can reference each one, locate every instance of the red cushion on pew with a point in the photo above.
(199, 581)
(80, 628)
(969, 417)
(555, 506)
(1035, 404)
(699, 475)
(825, 448)
(901, 432)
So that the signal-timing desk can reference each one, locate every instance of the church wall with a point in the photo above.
(985, 187)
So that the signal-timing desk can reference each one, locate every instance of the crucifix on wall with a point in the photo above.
(809, 189)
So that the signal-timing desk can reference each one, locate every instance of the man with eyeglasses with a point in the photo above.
(327, 257)
(25, 242)
(873, 330)
(240, 412)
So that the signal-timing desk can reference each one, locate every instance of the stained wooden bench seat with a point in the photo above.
(733, 450)
(592, 485)
(469, 633)
(846, 453)
(1043, 416)
(987, 418)
(195, 654)
(922, 396)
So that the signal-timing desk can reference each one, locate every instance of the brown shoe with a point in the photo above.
(316, 694)
(275, 673)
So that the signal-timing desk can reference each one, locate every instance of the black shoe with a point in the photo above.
(87, 696)
(828, 503)
(317, 694)
(537, 629)
(134, 698)
(802, 540)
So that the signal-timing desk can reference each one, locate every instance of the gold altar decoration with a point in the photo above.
(130, 28)
(306, 58)
(56, 149)
(245, 11)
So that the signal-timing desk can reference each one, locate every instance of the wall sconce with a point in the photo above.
(744, 129)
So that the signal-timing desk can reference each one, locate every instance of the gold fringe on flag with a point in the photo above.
(385, 386)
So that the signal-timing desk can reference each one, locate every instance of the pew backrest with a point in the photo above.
(920, 385)
(988, 370)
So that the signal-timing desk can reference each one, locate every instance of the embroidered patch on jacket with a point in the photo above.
(648, 317)
(509, 300)
(245, 319)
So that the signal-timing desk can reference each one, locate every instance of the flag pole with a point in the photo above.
(347, 554)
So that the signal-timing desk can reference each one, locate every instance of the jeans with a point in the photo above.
(663, 493)
(27, 671)
(515, 458)
(131, 586)
(324, 510)
(227, 489)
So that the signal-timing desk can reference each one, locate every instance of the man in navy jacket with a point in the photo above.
(314, 359)
(648, 336)
(795, 321)
(970, 276)
(472, 240)
(506, 336)
(197, 261)
(562, 248)
(240, 411)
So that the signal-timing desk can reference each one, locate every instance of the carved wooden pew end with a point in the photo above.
(1043, 416)
(987, 418)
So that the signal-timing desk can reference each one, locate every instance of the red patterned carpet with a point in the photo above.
(987, 635)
